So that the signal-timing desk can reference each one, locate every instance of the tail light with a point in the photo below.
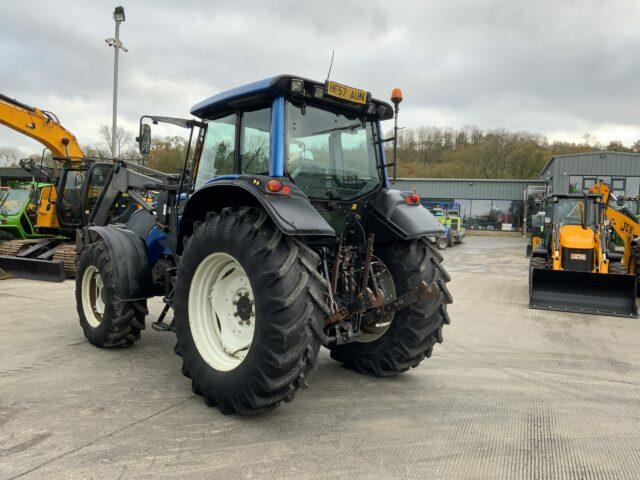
(413, 199)
(276, 186)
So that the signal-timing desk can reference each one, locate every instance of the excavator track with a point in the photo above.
(13, 247)
(66, 253)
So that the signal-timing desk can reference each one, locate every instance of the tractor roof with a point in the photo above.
(261, 91)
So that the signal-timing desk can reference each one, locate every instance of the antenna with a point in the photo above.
(333, 52)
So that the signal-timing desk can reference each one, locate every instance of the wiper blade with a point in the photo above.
(337, 129)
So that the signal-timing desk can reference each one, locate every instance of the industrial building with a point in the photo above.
(488, 204)
(484, 204)
(578, 172)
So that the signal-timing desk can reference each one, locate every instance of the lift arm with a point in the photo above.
(41, 126)
(625, 225)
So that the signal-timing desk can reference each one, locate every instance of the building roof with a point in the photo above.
(14, 172)
(602, 153)
(267, 87)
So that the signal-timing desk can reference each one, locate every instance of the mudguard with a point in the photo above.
(389, 209)
(293, 214)
(129, 255)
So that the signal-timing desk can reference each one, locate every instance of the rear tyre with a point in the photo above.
(441, 243)
(535, 262)
(247, 298)
(415, 329)
(105, 320)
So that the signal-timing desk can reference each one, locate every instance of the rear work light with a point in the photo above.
(276, 186)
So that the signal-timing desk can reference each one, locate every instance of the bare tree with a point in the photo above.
(9, 156)
(123, 138)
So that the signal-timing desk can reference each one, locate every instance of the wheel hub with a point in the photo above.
(244, 308)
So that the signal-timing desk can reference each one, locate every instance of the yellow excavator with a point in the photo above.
(45, 127)
(573, 268)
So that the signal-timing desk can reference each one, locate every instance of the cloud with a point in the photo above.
(556, 68)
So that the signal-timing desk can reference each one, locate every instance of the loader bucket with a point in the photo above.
(583, 292)
(33, 268)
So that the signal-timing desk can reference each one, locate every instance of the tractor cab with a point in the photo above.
(315, 149)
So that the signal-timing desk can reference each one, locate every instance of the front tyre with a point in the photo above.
(413, 330)
(105, 320)
(246, 300)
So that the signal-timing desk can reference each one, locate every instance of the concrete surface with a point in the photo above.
(512, 393)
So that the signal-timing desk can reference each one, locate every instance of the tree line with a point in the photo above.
(470, 152)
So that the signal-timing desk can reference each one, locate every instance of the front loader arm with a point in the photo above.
(41, 126)
(627, 229)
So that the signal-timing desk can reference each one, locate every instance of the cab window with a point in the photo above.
(255, 140)
(218, 152)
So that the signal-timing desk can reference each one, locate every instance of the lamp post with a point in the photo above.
(118, 16)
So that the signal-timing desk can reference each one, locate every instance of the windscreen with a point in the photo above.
(13, 201)
(330, 155)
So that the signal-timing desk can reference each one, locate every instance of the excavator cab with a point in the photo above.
(573, 269)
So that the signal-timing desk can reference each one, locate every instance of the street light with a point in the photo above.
(118, 16)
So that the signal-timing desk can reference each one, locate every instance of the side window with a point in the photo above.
(69, 208)
(218, 153)
(255, 140)
(97, 182)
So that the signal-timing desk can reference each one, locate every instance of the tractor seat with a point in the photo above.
(141, 223)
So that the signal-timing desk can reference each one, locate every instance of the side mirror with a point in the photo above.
(144, 139)
(620, 201)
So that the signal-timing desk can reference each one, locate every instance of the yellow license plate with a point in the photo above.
(335, 89)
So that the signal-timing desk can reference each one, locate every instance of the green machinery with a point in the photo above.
(18, 210)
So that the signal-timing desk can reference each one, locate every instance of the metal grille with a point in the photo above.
(577, 259)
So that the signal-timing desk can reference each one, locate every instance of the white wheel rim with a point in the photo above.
(221, 311)
(92, 302)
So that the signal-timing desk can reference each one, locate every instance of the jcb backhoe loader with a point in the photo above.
(624, 224)
(573, 270)
(54, 221)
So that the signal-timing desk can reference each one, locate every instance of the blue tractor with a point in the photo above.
(280, 235)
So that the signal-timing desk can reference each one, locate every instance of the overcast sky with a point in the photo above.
(550, 67)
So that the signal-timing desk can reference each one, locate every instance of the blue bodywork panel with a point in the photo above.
(272, 86)
(156, 245)
(276, 167)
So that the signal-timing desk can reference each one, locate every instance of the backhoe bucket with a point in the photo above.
(583, 292)
(33, 268)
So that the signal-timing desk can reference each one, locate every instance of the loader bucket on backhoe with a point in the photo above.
(583, 292)
(33, 268)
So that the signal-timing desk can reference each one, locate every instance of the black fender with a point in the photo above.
(129, 255)
(293, 214)
(393, 218)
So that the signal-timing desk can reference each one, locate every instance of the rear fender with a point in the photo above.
(293, 214)
(129, 255)
(392, 217)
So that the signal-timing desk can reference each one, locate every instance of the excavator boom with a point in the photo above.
(41, 126)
